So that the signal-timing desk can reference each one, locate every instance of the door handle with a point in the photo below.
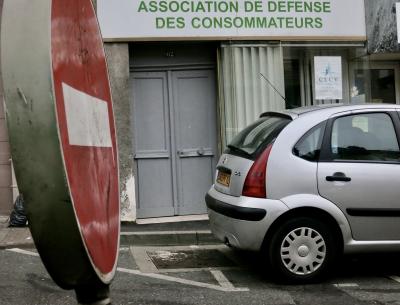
(200, 151)
(338, 176)
(194, 152)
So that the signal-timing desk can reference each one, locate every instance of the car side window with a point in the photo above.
(309, 146)
(365, 137)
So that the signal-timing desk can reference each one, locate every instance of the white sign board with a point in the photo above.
(231, 19)
(398, 21)
(328, 77)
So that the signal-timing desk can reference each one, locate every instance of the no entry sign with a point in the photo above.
(86, 126)
(62, 135)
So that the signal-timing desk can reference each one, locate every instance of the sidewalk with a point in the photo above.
(132, 234)
(14, 237)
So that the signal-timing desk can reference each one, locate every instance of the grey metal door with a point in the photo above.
(152, 140)
(175, 140)
(195, 129)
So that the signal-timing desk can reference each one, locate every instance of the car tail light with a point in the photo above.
(254, 185)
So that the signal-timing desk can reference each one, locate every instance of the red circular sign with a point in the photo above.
(86, 126)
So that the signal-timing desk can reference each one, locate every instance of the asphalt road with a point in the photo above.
(204, 275)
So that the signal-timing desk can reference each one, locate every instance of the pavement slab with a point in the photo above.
(15, 238)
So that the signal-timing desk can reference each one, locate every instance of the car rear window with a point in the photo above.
(253, 139)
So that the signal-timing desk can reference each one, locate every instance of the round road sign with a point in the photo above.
(86, 126)
(62, 136)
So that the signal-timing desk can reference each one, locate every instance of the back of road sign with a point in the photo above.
(62, 134)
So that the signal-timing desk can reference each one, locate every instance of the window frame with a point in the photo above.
(375, 65)
(326, 151)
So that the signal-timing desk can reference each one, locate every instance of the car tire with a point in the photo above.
(302, 250)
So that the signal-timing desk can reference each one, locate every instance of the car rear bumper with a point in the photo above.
(242, 221)
(233, 211)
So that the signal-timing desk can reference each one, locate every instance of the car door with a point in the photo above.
(359, 171)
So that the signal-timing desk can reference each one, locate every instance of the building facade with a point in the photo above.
(8, 188)
(193, 73)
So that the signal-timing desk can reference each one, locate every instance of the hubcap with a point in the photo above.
(303, 251)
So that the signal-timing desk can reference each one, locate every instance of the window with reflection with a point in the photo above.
(368, 137)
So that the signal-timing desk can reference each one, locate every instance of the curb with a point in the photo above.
(21, 245)
(9, 239)
(168, 238)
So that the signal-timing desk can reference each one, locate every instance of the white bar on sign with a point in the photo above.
(87, 119)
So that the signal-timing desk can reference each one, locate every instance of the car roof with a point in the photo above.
(328, 109)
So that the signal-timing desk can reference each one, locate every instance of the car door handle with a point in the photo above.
(338, 176)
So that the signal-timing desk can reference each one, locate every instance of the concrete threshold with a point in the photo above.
(172, 219)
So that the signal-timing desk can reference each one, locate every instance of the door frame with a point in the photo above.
(168, 69)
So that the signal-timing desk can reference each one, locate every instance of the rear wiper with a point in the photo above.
(238, 149)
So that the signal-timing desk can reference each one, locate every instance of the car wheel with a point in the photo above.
(302, 250)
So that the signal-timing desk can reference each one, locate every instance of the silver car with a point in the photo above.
(308, 184)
